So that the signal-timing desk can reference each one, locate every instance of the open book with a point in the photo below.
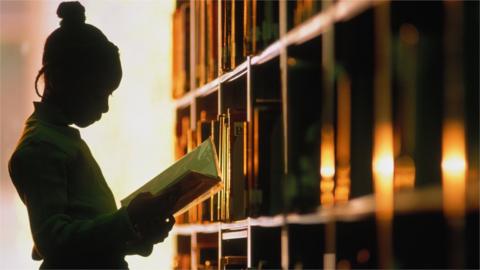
(195, 177)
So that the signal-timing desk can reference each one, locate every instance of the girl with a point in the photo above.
(72, 212)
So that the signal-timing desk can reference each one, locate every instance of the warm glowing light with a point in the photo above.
(327, 185)
(454, 165)
(327, 165)
(382, 163)
(383, 170)
(404, 173)
(342, 189)
(327, 171)
(383, 166)
(327, 153)
(453, 169)
(327, 199)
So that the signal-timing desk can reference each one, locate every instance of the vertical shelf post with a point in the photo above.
(382, 163)
(327, 139)
(249, 243)
(284, 92)
(219, 261)
(193, 251)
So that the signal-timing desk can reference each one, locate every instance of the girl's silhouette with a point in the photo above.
(73, 216)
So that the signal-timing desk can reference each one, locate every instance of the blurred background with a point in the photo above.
(132, 143)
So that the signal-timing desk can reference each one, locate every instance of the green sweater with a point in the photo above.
(73, 216)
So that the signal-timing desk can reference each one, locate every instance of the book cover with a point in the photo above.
(195, 177)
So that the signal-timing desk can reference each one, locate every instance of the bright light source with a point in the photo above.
(453, 168)
(454, 165)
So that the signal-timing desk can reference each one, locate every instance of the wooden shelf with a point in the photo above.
(406, 202)
(311, 28)
(187, 229)
(315, 26)
(185, 101)
(294, 88)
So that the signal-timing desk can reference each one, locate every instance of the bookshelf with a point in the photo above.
(301, 97)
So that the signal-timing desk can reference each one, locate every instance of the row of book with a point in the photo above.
(249, 159)
(301, 10)
(417, 114)
(224, 33)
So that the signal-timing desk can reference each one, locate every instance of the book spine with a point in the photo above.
(226, 13)
(233, 43)
(215, 199)
(228, 166)
(185, 50)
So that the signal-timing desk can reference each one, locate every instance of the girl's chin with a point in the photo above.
(87, 122)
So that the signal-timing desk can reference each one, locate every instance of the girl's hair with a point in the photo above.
(77, 52)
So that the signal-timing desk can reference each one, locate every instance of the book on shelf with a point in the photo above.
(237, 56)
(181, 49)
(224, 129)
(232, 132)
(200, 38)
(229, 135)
(301, 10)
(177, 49)
(225, 35)
(233, 262)
(265, 192)
(203, 132)
(237, 141)
(195, 177)
(404, 54)
(260, 26)
(212, 40)
(181, 136)
(215, 199)
(266, 24)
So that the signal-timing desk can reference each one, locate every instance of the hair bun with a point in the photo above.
(71, 13)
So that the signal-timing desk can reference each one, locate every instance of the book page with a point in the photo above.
(201, 161)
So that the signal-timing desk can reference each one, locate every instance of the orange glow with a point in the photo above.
(383, 155)
(326, 186)
(342, 189)
(404, 173)
(327, 168)
(383, 170)
(453, 169)
(327, 153)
